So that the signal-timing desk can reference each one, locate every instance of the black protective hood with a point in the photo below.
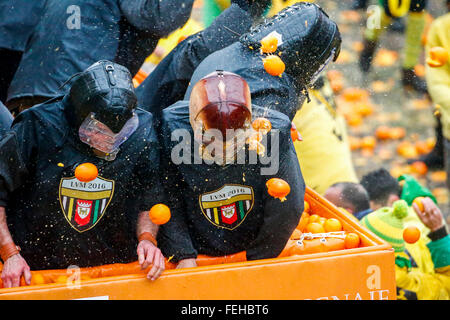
(105, 88)
(309, 37)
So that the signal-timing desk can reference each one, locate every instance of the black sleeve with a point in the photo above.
(17, 147)
(156, 16)
(280, 218)
(173, 237)
(169, 81)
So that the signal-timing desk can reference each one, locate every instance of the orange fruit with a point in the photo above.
(419, 203)
(296, 234)
(419, 167)
(438, 56)
(262, 125)
(407, 150)
(337, 85)
(397, 133)
(411, 234)
(295, 135)
(306, 206)
(351, 240)
(419, 70)
(278, 188)
(274, 65)
(355, 142)
(37, 279)
(61, 279)
(332, 225)
(368, 142)
(315, 227)
(86, 172)
(304, 220)
(422, 147)
(322, 220)
(355, 94)
(334, 75)
(159, 214)
(364, 109)
(383, 132)
(354, 120)
(269, 44)
(314, 218)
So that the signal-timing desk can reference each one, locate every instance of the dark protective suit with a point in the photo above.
(167, 84)
(6, 118)
(123, 31)
(17, 20)
(59, 221)
(221, 210)
(275, 93)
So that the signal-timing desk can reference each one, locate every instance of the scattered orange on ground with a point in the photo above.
(351, 240)
(422, 147)
(438, 57)
(419, 70)
(419, 167)
(351, 16)
(159, 214)
(278, 188)
(86, 172)
(407, 150)
(354, 120)
(411, 234)
(274, 65)
(438, 176)
(385, 58)
(355, 94)
(383, 132)
(355, 142)
(332, 225)
(368, 142)
(398, 133)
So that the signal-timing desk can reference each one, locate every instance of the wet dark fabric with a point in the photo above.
(6, 118)
(269, 92)
(123, 31)
(213, 212)
(167, 84)
(17, 21)
(10, 61)
(44, 202)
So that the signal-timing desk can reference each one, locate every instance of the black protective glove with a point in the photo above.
(256, 8)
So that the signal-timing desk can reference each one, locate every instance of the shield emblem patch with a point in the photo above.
(85, 203)
(227, 207)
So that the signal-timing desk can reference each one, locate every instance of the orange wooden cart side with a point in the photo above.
(365, 273)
